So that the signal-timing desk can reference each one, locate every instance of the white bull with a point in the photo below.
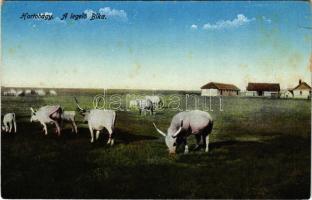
(156, 100)
(69, 116)
(184, 124)
(8, 122)
(47, 114)
(145, 105)
(98, 120)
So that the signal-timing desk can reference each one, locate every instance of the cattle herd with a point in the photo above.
(183, 124)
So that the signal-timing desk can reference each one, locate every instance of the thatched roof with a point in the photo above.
(220, 86)
(273, 87)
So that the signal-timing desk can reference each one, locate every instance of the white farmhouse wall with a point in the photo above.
(251, 93)
(209, 92)
(304, 94)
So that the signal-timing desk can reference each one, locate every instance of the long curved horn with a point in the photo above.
(32, 110)
(78, 104)
(178, 131)
(159, 131)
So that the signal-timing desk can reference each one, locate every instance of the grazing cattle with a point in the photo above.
(156, 100)
(52, 93)
(47, 114)
(98, 120)
(183, 124)
(27, 92)
(11, 92)
(69, 116)
(20, 93)
(145, 105)
(40, 92)
(8, 122)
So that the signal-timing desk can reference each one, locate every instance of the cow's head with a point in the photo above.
(33, 116)
(85, 113)
(170, 138)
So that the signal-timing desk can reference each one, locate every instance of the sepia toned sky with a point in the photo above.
(156, 45)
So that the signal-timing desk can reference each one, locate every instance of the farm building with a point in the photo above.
(263, 89)
(219, 89)
(302, 90)
(286, 94)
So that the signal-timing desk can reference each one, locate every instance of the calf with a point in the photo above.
(47, 114)
(69, 116)
(9, 121)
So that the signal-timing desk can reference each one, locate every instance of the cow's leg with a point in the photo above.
(198, 138)
(10, 126)
(75, 127)
(91, 133)
(206, 142)
(97, 135)
(186, 149)
(45, 128)
(15, 128)
(6, 127)
(58, 129)
(110, 138)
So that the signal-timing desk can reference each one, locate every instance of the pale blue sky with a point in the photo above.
(156, 45)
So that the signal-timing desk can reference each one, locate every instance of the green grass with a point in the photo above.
(260, 148)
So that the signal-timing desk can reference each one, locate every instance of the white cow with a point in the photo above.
(40, 92)
(69, 116)
(98, 120)
(20, 93)
(27, 92)
(145, 105)
(52, 93)
(8, 122)
(11, 92)
(156, 100)
(47, 114)
(184, 124)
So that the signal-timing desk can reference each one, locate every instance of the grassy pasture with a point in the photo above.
(260, 148)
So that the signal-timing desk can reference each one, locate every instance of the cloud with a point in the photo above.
(113, 13)
(89, 13)
(108, 12)
(194, 27)
(240, 20)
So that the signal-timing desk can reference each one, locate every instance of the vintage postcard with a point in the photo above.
(156, 100)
